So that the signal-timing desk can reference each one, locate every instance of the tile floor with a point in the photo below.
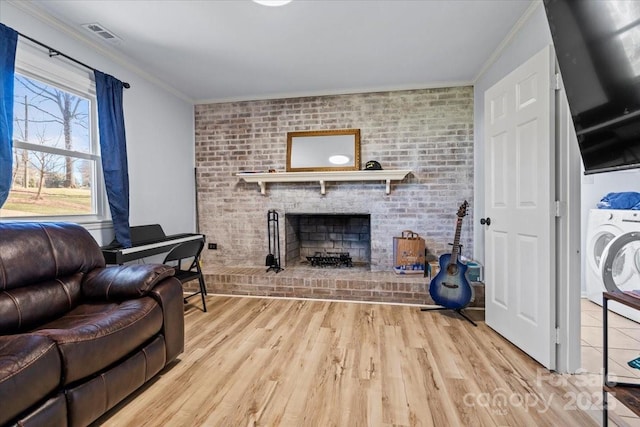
(624, 345)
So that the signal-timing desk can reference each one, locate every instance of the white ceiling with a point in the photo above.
(212, 51)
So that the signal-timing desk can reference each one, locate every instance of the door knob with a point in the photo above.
(486, 221)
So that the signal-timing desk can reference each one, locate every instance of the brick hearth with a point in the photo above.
(330, 283)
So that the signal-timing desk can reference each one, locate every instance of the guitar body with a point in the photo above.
(450, 288)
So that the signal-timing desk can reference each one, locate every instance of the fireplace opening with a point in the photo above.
(328, 240)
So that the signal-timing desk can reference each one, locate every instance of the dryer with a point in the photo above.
(613, 255)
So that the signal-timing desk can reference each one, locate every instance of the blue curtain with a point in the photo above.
(8, 41)
(113, 147)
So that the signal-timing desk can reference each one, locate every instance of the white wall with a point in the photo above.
(594, 187)
(530, 38)
(159, 128)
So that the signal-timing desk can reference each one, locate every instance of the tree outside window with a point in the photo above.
(55, 160)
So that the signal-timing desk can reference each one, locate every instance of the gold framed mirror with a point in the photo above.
(323, 150)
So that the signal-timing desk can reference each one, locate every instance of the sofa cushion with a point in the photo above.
(35, 252)
(26, 308)
(30, 369)
(93, 336)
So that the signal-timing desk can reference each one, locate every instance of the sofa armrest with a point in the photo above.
(169, 295)
(124, 281)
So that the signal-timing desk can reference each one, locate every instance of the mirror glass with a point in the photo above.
(325, 150)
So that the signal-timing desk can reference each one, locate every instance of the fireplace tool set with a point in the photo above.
(273, 231)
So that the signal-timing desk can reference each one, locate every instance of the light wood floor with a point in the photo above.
(275, 362)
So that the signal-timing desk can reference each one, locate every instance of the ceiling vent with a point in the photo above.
(102, 33)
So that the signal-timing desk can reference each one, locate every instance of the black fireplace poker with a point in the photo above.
(273, 232)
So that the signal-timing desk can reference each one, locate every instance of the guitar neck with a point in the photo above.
(456, 243)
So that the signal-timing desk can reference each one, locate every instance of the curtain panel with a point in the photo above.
(113, 148)
(8, 42)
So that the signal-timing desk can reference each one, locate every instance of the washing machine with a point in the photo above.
(613, 256)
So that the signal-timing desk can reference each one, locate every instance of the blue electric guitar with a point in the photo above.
(450, 287)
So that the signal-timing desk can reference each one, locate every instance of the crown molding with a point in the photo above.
(55, 23)
(336, 92)
(508, 39)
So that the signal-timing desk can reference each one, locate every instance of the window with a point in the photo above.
(56, 156)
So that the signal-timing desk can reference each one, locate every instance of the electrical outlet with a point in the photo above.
(213, 246)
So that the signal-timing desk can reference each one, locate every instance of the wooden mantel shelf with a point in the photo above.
(262, 178)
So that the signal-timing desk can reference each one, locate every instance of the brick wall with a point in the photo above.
(429, 131)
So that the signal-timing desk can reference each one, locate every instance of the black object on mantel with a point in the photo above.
(273, 231)
(372, 165)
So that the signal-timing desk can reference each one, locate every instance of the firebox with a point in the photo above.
(319, 239)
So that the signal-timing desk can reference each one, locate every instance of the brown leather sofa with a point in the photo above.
(75, 337)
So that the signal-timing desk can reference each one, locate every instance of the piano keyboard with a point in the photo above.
(171, 242)
(146, 248)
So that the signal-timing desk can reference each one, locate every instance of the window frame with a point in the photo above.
(33, 64)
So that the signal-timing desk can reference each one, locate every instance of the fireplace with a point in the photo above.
(328, 236)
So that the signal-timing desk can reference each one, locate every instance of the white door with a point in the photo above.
(519, 201)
